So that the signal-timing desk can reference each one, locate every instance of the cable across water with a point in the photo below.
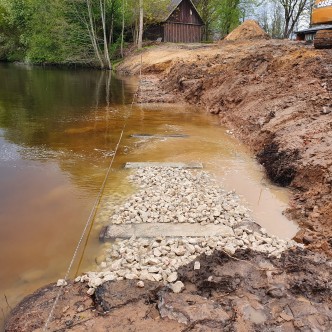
(91, 218)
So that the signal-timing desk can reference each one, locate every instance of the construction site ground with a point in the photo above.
(275, 95)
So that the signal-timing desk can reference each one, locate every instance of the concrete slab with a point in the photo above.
(148, 230)
(163, 164)
(159, 136)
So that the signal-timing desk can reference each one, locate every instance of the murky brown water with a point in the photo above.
(58, 130)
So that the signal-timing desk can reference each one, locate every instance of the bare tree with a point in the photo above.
(123, 27)
(107, 60)
(140, 31)
(277, 22)
(88, 18)
(293, 9)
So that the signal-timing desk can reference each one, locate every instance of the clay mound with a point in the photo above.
(249, 29)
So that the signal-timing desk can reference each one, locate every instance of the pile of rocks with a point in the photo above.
(172, 195)
(177, 195)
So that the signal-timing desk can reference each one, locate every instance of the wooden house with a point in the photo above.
(180, 24)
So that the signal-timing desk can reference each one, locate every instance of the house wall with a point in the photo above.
(182, 33)
(184, 25)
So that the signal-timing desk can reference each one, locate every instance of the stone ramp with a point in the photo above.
(159, 136)
(193, 165)
(150, 230)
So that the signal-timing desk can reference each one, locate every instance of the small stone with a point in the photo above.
(180, 251)
(157, 277)
(172, 277)
(145, 275)
(156, 252)
(197, 265)
(61, 282)
(91, 291)
(152, 261)
(140, 284)
(131, 276)
(230, 249)
(80, 308)
(153, 269)
(78, 279)
(177, 287)
(95, 282)
(109, 277)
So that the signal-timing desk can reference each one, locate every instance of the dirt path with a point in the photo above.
(276, 96)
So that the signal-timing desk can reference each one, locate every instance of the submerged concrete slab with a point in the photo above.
(163, 164)
(147, 230)
(159, 136)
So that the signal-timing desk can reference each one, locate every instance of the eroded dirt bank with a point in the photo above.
(275, 95)
(247, 292)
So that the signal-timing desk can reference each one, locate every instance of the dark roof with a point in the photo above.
(315, 28)
(163, 15)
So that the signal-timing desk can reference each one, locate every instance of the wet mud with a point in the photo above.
(248, 291)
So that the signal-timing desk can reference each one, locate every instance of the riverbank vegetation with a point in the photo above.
(95, 32)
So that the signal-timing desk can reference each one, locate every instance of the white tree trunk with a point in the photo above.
(140, 32)
(123, 26)
(93, 37)
(103, 19)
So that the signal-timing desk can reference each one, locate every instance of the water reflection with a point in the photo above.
(56, 136)
(58, 132)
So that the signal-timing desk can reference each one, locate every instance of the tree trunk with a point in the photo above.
(92, 33)
(140, 32)
(123, 26)
(103, 19)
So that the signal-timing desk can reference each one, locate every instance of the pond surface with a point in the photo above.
(58, 132)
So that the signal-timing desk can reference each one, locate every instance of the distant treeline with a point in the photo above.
(95, 32)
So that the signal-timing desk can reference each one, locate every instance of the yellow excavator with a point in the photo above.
(321, 23)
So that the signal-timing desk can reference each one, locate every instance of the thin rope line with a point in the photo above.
(91, 216)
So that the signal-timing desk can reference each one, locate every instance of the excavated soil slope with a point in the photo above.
(276, 95)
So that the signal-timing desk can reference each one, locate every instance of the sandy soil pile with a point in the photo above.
(249, 29)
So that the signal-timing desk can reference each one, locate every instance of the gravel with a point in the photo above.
(176, 196)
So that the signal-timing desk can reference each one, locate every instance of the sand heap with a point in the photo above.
(249, 29)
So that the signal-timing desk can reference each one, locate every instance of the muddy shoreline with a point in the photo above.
(246, 292)
(275, 96)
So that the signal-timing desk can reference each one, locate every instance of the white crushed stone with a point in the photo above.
(173, 195)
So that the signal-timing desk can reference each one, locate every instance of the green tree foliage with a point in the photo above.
(14, 17)
(222, 16)
(229, 16)
(60, 31)
(209, 11)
